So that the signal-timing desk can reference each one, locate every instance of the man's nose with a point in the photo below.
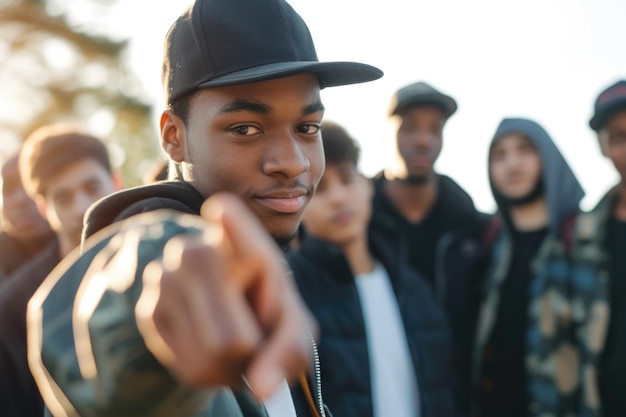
(286, 157)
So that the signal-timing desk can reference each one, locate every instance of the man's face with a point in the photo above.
(260, 141)
(341, 208)
(514, 166)
(613, 142)
(419, 140)
(69, 194)
(22, 220)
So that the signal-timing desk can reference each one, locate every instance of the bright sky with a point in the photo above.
(542, 59)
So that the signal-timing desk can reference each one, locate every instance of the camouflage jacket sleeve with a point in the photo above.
(84, 348)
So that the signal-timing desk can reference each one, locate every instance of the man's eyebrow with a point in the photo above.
(245, 105)
(261, 108)
(313, 108)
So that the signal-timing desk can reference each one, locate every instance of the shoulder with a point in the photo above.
(312, 252)
(175, 195)
(24, 281)
(456, 202)
(450, 189)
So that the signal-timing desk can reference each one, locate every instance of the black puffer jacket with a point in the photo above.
(327, 286)
(452, 211)
(447, 247)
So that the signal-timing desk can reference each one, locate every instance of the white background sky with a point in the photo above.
(542, 59)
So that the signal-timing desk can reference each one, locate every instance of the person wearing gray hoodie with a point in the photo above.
(525, 358)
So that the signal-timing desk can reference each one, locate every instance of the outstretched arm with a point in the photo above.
(161, 310)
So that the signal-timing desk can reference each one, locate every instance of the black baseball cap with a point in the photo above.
(225, 42)
(611, 100)
(421, 94)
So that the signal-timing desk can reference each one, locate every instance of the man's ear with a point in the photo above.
(369, 185)
(42, 206)
(173, 136)
(603, 141)
(118, 180)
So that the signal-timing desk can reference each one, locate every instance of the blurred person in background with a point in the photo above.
(422, 204)
(379, 321)
(64, 170)
(433, 214)
(158, 171)
(526, 361)
(24, 230)
(600, 267)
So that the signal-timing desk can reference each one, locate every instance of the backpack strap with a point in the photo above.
(566, 231)
(492, 229)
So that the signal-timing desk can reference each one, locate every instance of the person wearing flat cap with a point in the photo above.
(179, 301)
(423, 203)
(598, 254)
(430, 212)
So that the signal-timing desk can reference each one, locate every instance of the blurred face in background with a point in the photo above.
(419, 140)
(514, 166)
(613, 142)
(69, 194)
(21, 219)
(340, 210)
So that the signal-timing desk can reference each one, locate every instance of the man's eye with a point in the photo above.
(526, 149)
(309, 129)
(436, 130)
(496, 156)
(349, 177)
(62, 200)
(617, 138)
(246, 130)
(94, 188)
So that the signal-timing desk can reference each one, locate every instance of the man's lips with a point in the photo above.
(26, 220)
(420, 159)
(284, 202)
(515, 179)
(342, 218)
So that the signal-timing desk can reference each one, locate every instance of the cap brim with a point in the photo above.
(602, 116)
(446, 103)
(330, 74)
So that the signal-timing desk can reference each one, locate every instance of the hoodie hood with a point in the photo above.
(561, 188)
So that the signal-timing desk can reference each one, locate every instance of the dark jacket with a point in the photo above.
(327, 285)
(19, 395)
(453, 211)
(14, 253)
(99, 365)
(461, 259)
(454, 249)
(591, 283)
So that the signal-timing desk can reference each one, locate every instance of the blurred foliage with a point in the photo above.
(56, 67)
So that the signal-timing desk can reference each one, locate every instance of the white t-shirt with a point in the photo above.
(394, 385)
(280, 404)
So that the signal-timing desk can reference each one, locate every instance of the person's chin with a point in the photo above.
(417, 178)
(284, 240)
(515, 194)
(282, 230)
